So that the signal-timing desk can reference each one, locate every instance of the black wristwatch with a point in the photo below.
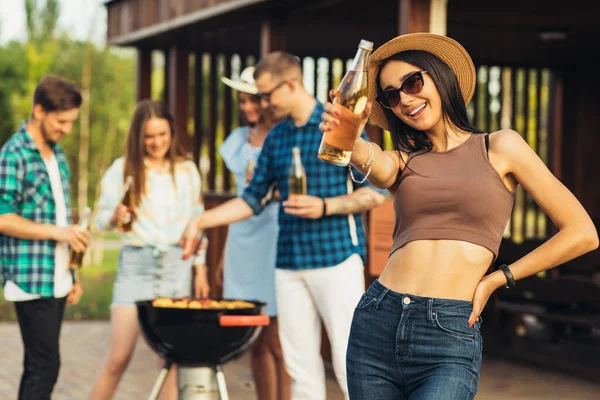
(324, 214)
(510, 279)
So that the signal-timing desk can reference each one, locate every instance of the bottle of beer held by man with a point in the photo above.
(351, 99)
(127, 200)
(75, 257)
(297, 175)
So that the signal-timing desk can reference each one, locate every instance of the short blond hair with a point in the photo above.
(279, 64)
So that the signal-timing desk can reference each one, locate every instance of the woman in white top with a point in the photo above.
(166, 194)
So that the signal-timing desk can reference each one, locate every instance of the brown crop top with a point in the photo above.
(455, 195)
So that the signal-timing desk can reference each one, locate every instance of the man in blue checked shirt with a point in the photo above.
(321, 244)
(36, 231)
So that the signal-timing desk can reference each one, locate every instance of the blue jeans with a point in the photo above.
(409, 347)
(145, 273)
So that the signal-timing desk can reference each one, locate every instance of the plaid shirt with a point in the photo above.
(25, 190)
(306, 243)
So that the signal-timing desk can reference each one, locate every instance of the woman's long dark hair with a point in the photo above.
(408, 139)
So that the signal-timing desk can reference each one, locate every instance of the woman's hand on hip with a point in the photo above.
(483, 291)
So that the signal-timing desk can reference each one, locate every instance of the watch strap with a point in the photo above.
(510, 279)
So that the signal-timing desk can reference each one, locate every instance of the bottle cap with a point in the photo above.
(296, 149)
(366, 45)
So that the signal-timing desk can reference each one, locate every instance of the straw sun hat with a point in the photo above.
(446, 49)
(246, 82)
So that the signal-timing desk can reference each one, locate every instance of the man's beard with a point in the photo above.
(45, 133)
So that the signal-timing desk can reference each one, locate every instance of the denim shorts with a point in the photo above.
(409, 347)
(145, 273)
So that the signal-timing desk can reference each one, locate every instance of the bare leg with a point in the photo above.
(268, 368)
(124, 334)
(169, 390)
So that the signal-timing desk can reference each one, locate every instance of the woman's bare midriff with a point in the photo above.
(447, 269)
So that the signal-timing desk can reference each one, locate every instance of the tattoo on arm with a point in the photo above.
(361, 200)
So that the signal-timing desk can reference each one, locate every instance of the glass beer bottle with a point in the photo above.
(297, 175)
(75, 257)
(127, 200)
(351, 98)
(249, 171)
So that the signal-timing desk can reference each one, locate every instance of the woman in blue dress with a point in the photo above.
(248, 262)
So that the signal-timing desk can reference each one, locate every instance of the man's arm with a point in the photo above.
(263, 176)
(16, 226)
(362, 199)
(237, 209)
(11, 188)
(234, 210)
(22, 228)
(306, 206)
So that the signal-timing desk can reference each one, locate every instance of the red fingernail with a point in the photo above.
(337, 123)
(338, 113)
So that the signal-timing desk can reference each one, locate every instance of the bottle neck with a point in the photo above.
(296, 163)
(360, 61)
(83, 222)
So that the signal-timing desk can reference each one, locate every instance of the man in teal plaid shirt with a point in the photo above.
(36, 231)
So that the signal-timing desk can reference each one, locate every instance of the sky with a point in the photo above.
(81, 18)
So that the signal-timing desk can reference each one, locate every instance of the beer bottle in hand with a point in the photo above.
(351, 99)
(76, 258)
(297, 175)
(249, 171)
(127, 200)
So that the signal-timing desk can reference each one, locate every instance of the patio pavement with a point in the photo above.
(85, 344)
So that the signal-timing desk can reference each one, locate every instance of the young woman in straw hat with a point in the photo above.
(248, 262)
(415, 332)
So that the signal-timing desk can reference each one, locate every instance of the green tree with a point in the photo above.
(41, 21)
(12, 85)
(109, 86)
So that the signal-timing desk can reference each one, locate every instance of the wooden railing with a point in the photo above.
(127, 16)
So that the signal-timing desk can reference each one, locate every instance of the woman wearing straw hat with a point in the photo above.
(415, 332)
(248, 262)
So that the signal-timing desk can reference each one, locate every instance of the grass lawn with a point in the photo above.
(97, 281)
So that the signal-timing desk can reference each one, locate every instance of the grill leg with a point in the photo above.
(221, 383)
(197, 383)
(161, 380)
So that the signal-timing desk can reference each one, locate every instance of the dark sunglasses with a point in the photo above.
(411, 85)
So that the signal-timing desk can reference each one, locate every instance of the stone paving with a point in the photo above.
(85, 344)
